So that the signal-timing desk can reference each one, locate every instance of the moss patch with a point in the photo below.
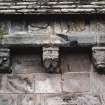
(2, 33)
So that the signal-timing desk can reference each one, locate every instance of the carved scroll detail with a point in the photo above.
(99, 58)
(51, 59)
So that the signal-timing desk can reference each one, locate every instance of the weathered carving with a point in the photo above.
(51, 59)
(99, 58)
(4, 60)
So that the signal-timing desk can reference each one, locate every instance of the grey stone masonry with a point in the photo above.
(31, 86)
(51, 6)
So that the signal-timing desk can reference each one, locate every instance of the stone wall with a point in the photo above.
(29, 84)
(51, 6)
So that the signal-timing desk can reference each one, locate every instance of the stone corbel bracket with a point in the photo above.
(4, 60)
(99, 58)
(51, 59)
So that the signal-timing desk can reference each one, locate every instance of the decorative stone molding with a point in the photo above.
(99, 58)
(4, 60)
(51, 59)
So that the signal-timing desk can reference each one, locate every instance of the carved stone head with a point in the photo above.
(51, 59)
(99, 57)
(4, 60)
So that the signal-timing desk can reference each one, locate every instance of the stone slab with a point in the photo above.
(75, 62)
(19, 83)
(83, 39)
(3, 83)
(27, 63)
(72, 99)
(101, 38)
(8, 99)
(76, 82)
(28, 99)
(99, 83)
(47, 83)
(22, 39)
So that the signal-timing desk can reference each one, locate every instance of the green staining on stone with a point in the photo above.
(3, 29)
(2, 32)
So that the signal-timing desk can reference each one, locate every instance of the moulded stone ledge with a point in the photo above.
(60, 39)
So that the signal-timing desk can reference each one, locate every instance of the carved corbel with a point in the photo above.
(99, 58)
(51, 59)
(4, 60)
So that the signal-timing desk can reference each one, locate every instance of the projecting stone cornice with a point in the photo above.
(59, 40)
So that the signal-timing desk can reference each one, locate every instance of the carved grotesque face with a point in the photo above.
(99, 57)
(4, 60)
(51, 65)
(51, 59)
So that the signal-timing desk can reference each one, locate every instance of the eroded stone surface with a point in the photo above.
(76, 82)
(75, 62)
(47, 83)
(72, 100)
(100, 84)
(28, 99)
(27, 63)
(18, 26)
(39, 27)
(8, 99)
(20, 83)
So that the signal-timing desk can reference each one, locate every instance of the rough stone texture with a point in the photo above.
(52, 89)
(8, 99)
(75, 62)
(28, 85)
(20, 83)
(47, 83)
(27, 63)
(38, 27)
(100, 85)
(28, 99)
(49, 99)
(51, 7)
(99, 58)
(76, 82)
(43, 32)
(69, 99)
(74, 39)
(16, 26)
(16, 83)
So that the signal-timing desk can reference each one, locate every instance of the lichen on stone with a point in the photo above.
(3, 30)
